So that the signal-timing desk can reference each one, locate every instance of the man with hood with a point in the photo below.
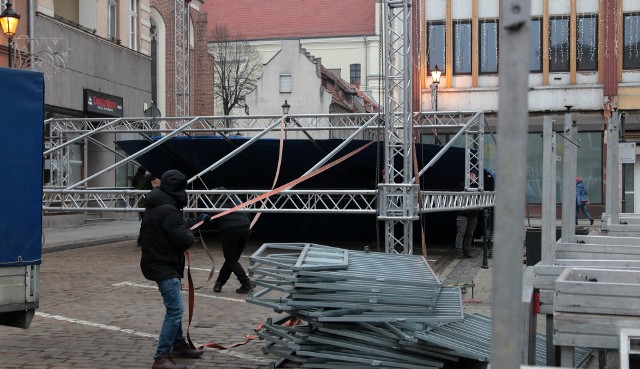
(165, 235)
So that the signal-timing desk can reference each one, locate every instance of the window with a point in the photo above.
(133, 24)
(436, 46)
(587, 43)
(462, 47)
(354, 73)
(631, 48)
(559, 44)
(535, 49)
(489, 46)
(285, 83)
(112, 19)
(3, 5)
(589, 163)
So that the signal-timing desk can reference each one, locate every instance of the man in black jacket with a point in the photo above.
(165, 235)
(234, 234)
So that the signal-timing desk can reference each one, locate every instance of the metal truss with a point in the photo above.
(398, 193)
(181, 56)
(246, 124)
(292, 201)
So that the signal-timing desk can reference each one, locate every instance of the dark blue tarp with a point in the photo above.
(255, 167)
(21, 143)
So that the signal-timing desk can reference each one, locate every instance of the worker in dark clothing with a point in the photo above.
(466, 222)
(234, 234)
(165, 236)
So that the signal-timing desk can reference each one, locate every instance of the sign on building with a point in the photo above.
(103, 104)
(627, 152)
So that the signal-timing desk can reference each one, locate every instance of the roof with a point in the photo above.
(278, 19)
(345, 95)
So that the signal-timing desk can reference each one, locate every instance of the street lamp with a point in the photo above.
(435, 81)
(285, 110)
(9, 21)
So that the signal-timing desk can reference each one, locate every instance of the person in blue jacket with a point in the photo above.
(582, 200)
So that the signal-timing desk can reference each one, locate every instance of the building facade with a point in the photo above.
(584, 56)
(294, 75)
(344, 34)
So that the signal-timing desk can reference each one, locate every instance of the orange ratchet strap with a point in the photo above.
(286, 186)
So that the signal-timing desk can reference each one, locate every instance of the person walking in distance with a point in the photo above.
(582, 200)
(165, 236)
(466, 222)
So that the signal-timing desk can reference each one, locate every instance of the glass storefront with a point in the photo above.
(590, 167)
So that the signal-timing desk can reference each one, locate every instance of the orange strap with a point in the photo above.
(420, 206)
(286, 186)
(247, 337)
(191, 297)
(275, 179)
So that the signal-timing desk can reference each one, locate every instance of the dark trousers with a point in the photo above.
(466, 225)
(233, 243)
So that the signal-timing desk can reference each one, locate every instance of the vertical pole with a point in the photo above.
(10, 39)
(569, 172)
(485, 236)
(434, 96)
(612, 169)
(623, 207)
(507, 331)
(548, 230)
(398, 207)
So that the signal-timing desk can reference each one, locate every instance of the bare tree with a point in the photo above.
(237, 67)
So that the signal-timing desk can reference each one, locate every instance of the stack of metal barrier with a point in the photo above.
(358, 309)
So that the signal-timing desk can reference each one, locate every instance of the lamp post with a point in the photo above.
(9, 21)
(285, 109)
(285, 112)
(435, 81)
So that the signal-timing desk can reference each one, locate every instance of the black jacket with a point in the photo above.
(232, 222)
(165, 234)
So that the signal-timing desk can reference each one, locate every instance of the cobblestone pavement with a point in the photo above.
(97, 310)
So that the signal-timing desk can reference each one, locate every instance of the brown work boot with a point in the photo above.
(166, 362)
(183, 350)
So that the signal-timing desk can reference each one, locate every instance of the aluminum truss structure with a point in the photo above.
(398, 193)
(62, 195)
(181, 57)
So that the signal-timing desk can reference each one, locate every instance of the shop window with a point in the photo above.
(589, 164)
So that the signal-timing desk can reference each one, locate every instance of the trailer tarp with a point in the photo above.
(21, 147)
